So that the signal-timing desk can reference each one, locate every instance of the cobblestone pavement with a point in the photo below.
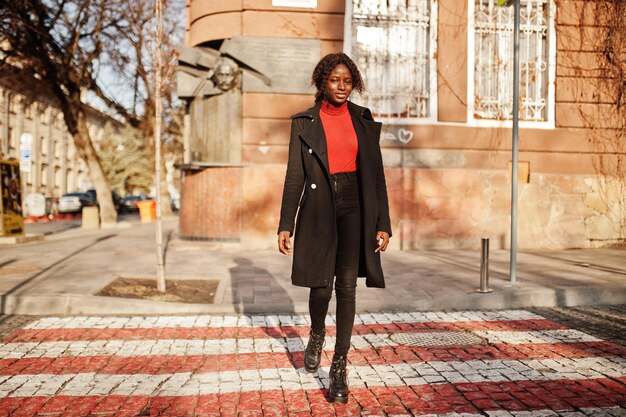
(474, 363)
(606, 322)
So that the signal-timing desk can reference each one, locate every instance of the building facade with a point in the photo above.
(33, 131)
(438, 74)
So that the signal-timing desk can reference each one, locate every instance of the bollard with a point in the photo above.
(90, 218)
(484, 266)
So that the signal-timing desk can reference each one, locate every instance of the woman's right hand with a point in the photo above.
(284, 243)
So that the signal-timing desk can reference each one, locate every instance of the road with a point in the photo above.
(47, 228)
(544, 362)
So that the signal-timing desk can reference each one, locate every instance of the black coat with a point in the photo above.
(308, 187)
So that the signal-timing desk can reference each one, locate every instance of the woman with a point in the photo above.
(336, 183)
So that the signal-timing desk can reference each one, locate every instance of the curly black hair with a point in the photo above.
(324, 68)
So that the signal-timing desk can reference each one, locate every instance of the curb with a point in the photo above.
(28, 238)
(509, 298)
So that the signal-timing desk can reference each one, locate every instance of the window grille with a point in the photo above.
(391, 46)
(493, 60)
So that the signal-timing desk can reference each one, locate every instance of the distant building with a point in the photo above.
(54, 168)
(438, 74)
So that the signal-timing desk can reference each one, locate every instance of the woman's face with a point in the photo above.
(338, 86)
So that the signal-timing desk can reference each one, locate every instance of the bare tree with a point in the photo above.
(102, 49)
(60, 43)
(134, 64)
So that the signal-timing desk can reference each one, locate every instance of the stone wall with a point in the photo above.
(446, 208)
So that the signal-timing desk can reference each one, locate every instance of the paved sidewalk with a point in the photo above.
(60, 275)
(511, 363)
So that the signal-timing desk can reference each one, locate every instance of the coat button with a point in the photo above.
(310, 150)
(313, 186)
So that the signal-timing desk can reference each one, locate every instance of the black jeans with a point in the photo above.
(348, 218)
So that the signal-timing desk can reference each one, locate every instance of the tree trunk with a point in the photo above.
(101, 183)
(166, 198)
(166, 208)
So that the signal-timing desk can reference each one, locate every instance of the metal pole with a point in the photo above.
(484, 266)
(187, 133)
(157, 151)
(514, 174)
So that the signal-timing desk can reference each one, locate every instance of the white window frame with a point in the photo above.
(432, 103)
(550, 105)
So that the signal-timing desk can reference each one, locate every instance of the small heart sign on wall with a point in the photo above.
(397, 133)
(405, 135)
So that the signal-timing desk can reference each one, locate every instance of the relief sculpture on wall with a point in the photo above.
(212, 82)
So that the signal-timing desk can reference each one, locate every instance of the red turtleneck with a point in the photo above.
(341, 139)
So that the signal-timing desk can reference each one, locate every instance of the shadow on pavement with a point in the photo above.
(254, 287)
(7, 262)
(166, 245)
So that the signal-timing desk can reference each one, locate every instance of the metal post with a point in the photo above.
(157, 151)
(514, 174)
(484, 266)
(187, 133)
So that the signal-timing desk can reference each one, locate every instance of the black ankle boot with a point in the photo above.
(338, 389)
(313, 351)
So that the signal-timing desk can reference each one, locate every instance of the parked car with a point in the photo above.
(117, 200)
(74, 202)
(129, 203)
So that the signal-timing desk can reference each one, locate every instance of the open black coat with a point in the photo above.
(308, 192)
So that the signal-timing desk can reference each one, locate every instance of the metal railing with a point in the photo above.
(391, 44)
(493, 71)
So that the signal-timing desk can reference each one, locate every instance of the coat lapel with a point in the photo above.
(314, 136)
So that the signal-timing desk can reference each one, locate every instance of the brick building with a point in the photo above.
(438, 74)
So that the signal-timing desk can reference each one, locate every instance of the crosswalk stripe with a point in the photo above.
(272, 320)
(145, 333)
(164, 364)
(423, 373)
(267, 344)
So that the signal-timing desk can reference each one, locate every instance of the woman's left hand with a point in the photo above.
(383, 240)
